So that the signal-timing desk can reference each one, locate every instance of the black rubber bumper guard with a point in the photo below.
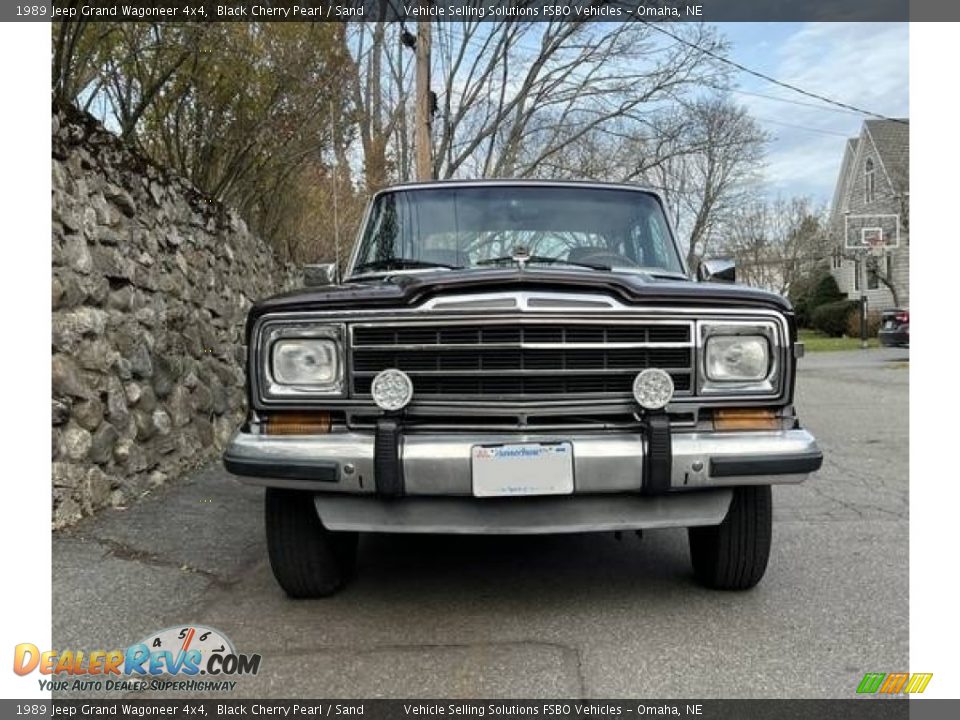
(658, 459)
(388, 467)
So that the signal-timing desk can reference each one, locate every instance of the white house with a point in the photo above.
(874, 182)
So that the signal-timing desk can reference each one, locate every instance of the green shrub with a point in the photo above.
(824, 291)
(810, 291)
(833, 318)
(799, 294)
(801, 309)
(873, 323)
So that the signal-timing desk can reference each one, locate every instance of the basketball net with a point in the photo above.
(876, 247)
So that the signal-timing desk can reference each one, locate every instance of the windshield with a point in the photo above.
(481, 226)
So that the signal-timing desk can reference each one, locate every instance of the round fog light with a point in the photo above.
(391, 389)
(653, 388)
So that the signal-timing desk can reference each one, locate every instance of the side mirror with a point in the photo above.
(721, 270)
(321, 274)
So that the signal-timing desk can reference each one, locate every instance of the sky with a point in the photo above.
(861, 64)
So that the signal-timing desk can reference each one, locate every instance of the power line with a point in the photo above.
(839, 106)
(768, 78)
(807, 128)
(800, 127)
(842, 108)
(777, 98)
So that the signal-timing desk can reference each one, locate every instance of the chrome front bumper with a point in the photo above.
(522, 516)
(440, 464)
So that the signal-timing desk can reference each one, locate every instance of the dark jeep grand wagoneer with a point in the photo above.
(520, 357)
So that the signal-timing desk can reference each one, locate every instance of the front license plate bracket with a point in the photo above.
(522, 469)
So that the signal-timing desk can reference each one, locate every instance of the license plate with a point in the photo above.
(522, 469)
(888, 325)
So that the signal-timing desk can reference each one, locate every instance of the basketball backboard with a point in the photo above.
(871, 233)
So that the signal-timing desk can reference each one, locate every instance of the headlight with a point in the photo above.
(301, 361)
(741, 357)
(305, 362)
(737, 358)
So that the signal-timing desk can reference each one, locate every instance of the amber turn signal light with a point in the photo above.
(298, 424)
(745, 419)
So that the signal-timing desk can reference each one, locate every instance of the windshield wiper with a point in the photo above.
(543, 260)
(402, 264)
(666, 274)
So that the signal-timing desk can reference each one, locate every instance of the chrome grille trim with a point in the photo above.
(549, 405)
(597, 422)
(515, 358)
(525, 346)
(522, 301)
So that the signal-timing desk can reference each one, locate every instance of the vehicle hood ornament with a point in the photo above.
(521, 256)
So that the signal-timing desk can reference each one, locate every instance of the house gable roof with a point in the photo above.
(888, 142)
(891, 140)
(841, 193)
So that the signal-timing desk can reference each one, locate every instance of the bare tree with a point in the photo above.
(377, 91)
(517, 95)
(239, 109)
(519, 99)
(252, 113)
(882, 268)
(706, 157)
(778, 242)
(885, 267)
(78, 51)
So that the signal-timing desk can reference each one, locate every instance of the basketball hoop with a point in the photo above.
(873, 235)
(868, 236)
(873, 241)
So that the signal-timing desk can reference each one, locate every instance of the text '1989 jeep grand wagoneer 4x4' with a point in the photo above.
(520, 357)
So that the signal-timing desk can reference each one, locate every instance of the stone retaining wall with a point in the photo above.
(151, 284)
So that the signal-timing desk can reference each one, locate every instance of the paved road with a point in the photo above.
(586, 616)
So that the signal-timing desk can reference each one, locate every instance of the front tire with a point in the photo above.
(307, 560)
(733, 555)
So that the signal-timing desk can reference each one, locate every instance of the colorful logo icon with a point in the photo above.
(894, 683)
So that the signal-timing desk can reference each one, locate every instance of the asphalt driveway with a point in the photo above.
(586, 616)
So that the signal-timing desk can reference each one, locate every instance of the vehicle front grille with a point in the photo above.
(518, 360)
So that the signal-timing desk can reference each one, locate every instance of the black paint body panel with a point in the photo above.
(402, 291)
(399, 291)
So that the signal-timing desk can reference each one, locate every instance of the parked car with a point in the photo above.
(895, 328)
(509, 357)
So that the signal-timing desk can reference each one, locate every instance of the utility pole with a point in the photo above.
(424, 114)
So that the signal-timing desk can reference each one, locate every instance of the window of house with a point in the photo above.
(870, 181)
(873, 276)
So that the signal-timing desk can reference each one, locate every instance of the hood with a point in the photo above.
(405, 290)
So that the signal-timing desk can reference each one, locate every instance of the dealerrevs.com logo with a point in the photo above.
(171, 659)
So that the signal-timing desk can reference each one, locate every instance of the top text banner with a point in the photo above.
(481, 10)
